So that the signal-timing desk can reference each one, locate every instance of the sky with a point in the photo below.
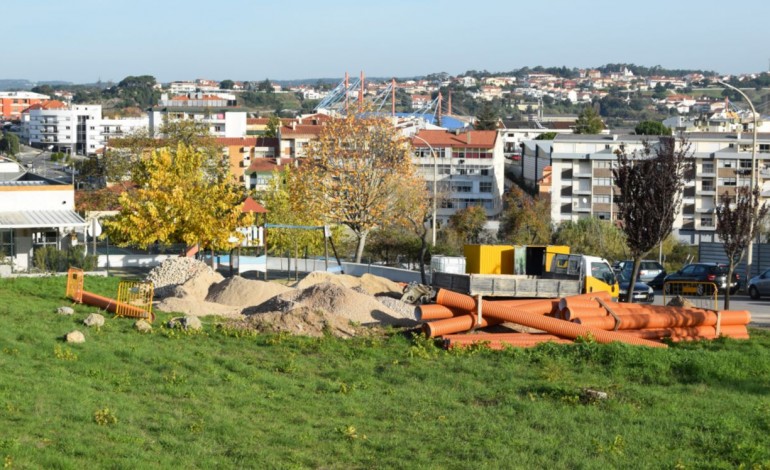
(83, 41)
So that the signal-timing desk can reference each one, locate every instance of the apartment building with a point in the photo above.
(13, 103)
(582, 183)
(79, 129)
(242, 152)
(219, 113)
(468, 167)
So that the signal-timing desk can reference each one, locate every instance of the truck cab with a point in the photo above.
(595, 273)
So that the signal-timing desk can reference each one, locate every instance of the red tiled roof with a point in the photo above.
(440, 138)
(266, 165)
(50, 104)
(252, 206)
(301, 129)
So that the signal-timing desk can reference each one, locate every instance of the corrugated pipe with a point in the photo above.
(692, 333)
(548, 324)
(635, 321)
(437, 312)
(503, 343)
(111, 305)
(584, 300)
(454, 300)
(455, 325)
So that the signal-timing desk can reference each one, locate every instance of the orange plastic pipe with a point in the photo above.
(111, 305)
(455, 325)
(497, 336)
(695, 332)
(636, 321)
(504, 343)
(456, 300)
(437, 312)
(573, 313)
(548, 324)
(584, 299)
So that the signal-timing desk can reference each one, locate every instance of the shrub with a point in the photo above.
(50, 258)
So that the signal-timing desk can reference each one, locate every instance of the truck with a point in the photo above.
(542, 271)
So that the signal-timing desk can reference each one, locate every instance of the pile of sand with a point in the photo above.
(197, 307)
(367, 283)
(338, 301)
(243, 292)
(300, 321)
(197, 287)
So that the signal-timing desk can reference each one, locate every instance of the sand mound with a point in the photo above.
(197, 287)
(243, 292)
(197, 307)
(337, 301)
(173, 272)
(367, 283)
(301, 321)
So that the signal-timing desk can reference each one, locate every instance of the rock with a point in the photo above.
(590, 395)
(186, 323)
(75, 337)
(94, 319)
(680, 301)
(143, 326)
(65, 311)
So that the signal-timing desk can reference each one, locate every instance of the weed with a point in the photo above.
(64, 354)
(350, 433)
(105, 417)
(423, 347)
(616, 447)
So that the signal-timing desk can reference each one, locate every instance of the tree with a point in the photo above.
(487, 118)
(352, 174)
(265, 86)
(592, 236)
(414, 205)
(651, 128)
(588, 122)
(737, 221)
(9, 144)
(273, 126)
(546, 136)
(650, 183)
(178, 201)
(226, 84)
(467, 224)
(525, 220)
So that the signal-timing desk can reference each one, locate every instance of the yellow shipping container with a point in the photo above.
(488, 259)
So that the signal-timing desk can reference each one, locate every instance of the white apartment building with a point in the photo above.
(221, 121)
(78, 129)
(468, 165)
(582, 182)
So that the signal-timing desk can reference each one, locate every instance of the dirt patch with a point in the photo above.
(338, 301)
(197, 307)
(367, 283)
(242, 292)
(300, 321)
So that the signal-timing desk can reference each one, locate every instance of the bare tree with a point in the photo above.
(737, 221)
(650, 182)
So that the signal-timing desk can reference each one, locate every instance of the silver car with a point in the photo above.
(760, 285)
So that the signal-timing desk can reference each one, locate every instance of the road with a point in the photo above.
(39, 162)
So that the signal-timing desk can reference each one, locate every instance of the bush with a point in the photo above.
(50, 258)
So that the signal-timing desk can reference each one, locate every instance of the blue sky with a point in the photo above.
(86, 40)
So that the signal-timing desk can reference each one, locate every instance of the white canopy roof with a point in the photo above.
(41, 218)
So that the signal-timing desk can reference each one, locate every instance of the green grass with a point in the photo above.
(228, 399)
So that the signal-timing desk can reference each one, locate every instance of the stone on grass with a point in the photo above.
(94, 319)
(187, 323)
(65, 311)
(75, 337)
(143, 326)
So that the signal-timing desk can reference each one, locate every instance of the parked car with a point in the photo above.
(704, 273)
(642, 292)
(760, 285)
(650, 272)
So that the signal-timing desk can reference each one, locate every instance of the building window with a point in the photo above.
(485, 172)
(485, 187)
(6, 243)
(708, 167)
(462, 188)
(727, 182)
(707, 185)
(706, 221)
(602, 181)
(726, 164)
(601, 199)
(764, 148)
(603, 164)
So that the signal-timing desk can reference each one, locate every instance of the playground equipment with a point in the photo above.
(134, 298)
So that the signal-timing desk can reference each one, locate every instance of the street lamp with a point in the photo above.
(749, 249)
(435, 178)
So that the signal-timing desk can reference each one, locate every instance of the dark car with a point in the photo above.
(641, 292)
(700, 275)
(650, 272)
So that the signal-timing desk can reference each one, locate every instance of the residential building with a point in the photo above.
(261, 170)
(13, 103)
(242, 151)
(296, 136)
(35, 212)
(468, 168)
(222, 121)
(582, 184)
(78, 129)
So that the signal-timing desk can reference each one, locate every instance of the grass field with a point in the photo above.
(231, 399)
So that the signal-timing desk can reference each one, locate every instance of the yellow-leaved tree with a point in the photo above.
(180, 197)
(353, 172)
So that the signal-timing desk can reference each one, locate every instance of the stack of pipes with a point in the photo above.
(563, 320)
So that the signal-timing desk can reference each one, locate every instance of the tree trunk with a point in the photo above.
(730, 271)
(423, 252)
(361, 244)
(632, 281)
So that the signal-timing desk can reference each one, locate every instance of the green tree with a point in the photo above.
(588, 122)
(651, 128)
(466, 225)
(546, 136)
(265, 86)
(226, 84)
(525, 220)
(273, 126)
(592, 236)
(487, 118)
(9, 144)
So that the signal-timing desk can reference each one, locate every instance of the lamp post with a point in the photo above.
(435, 178)
(749, 249)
